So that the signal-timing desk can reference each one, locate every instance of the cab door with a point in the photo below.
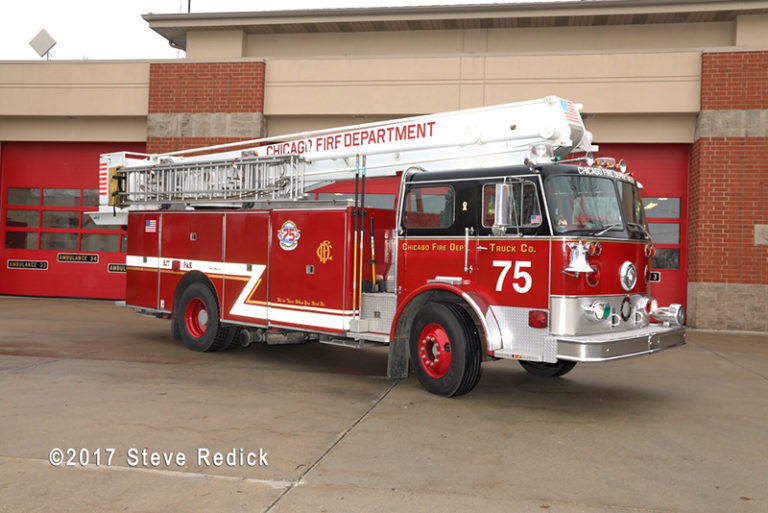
(434, 223)
(512, 262)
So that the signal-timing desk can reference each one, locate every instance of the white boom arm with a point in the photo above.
(482, 137)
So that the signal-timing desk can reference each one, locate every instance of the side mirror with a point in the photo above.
(504, 209)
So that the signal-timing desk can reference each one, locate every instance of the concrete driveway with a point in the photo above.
(320, 428)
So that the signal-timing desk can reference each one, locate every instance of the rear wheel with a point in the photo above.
(445, 349)
(198, 319)
(548, 370)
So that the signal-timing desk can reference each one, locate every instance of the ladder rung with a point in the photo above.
(216, 180)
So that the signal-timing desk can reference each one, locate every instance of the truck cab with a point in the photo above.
(551, 262)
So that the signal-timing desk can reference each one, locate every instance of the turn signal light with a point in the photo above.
(538, 319)
(650, 305)
(594, 249)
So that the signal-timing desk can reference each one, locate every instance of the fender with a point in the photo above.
(488, 321)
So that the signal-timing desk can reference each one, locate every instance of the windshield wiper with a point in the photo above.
(608, 228)
(642, 228)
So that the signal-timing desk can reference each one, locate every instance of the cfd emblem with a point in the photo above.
(324, 251)
(288, 235)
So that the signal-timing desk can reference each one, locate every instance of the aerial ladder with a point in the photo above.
(287, 167)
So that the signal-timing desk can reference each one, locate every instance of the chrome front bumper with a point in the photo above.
(625, 344)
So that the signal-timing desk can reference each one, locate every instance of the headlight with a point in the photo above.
(628, 276)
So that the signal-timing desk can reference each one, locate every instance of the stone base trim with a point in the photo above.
(247, 125)
(728, 306)
(732, 123)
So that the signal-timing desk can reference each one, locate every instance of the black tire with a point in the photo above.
(548, 370)
(454, 338)
(198, 319)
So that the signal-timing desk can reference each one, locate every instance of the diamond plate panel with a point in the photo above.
(520, 340)
(379, 309)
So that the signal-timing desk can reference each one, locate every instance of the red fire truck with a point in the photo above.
(498, 245)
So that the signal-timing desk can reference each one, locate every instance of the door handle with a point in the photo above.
(467, 267)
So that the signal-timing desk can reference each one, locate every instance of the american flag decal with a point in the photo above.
(150, 226)
(571, 114)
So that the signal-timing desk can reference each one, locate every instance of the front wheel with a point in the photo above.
(445, 349)
(198, 320)
(548, 370)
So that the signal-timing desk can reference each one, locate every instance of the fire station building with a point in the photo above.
(679, 90)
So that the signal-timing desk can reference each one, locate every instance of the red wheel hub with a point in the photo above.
(196, 317)
(435, 350)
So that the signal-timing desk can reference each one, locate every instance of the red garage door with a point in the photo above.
(50, 246)
(662, 169)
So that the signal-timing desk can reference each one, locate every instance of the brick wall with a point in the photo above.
(734, 80)
(728, 195)
(196, 104)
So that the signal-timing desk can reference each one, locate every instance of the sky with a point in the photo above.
(114, 29)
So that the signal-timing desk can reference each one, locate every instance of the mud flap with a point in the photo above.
(397, 365)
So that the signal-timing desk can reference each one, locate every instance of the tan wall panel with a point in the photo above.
(125, 129)
(77, 88)
(751, 30)
(615, 83)
(604, 83)
(282, 125)
(361, 86)
(522, 40)
(218, 44)
(611, 38)
(360, 43)
(639, 128)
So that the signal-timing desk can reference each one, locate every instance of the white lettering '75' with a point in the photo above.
(518, 274)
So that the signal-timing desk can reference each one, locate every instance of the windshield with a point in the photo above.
(632, 207)
(590, 203)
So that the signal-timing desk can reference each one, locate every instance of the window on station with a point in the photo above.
(61, 197)
(56, 219)
(21, 240)
(23, 196)
(60, 219)
(666, 258)
(96, 242)
(665, 226)
(22, 218)
(58, 240)
(665, 233)
(666, 208)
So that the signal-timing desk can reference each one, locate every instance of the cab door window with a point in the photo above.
(429, 207)
(525, 205)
